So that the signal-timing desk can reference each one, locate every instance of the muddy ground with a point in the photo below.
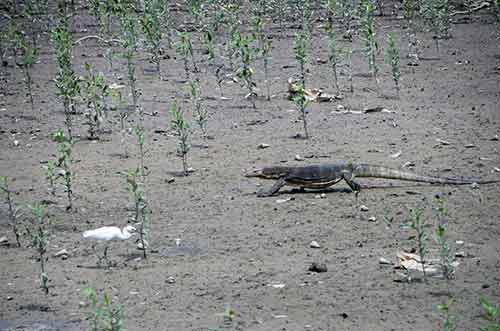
(236, 249)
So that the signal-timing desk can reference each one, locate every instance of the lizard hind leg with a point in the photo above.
(273, 190)
(355, 187)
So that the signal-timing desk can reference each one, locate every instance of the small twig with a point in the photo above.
(119, 41)
(479, 7)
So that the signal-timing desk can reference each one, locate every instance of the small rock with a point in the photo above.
(460, 254)
(340, 107)
(170, 280)
(470, 146)
(383, 261)
(459, 242)
(495, 138)
(318, 267)
(322, 196)
(314, 244)
(299, 158)
(263, 145)
(4, 240)
(283, 200)
(9, 298)
(170, 180)
(82, 304)
(63, 253)
(363, 208)
(474, 186)
(16, 143)
(372, 219)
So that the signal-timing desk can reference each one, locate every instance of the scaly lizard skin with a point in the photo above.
(325, 175)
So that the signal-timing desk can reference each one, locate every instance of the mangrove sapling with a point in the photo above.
(14, 212)
(265, 52)
(446, 255)
(151, 26)
(129, 43)
(183, 132)
(64, 162)
(436, 16)
(334, 56)
(492, 314)
(300, 50)
(200, 113)
(139, 133)
(392, 57)
(208, 42)
(66, 81)
(29, 55)
(245, 71)
(279, 8)
(103, 317)
(140, 215)
(348, 55)
(51, 176)
(368, 35)
(301, 102)
(419, 225)
(40, 239)
(185, 50)
(95, 89)
(449, 321)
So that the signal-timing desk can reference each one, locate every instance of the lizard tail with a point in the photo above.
(366, 170)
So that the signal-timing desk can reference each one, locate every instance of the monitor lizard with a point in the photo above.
(325, 175)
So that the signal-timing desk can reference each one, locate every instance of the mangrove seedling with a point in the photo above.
(185, 50)
(51, 176)
(449, 321)
(436, 15)
(64, 162)
(139, 133)
(151, 26)
(183, 132)
(40, 240)
(28, 57)
(245, 71)
(334, 56)
(392, 57)
(368, 35)
(95, 90)
(129, 43)
(66, 80)
(208, 42)
(419, 225)
(300, 50)
(103, 316)
(200, 113)
(140, 216)
(266, 58)
(446, 255)
(301, 102)
(14, 213)
(492, 314)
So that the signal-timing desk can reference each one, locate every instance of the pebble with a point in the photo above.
(263, 145)
(474, 186)
(299, 158)
(460, 254)
(363, 208)
(62, 253)
(170, 280)
(314, 244)
(318, 267)
(4, 240)
(372, 219)
(384, 261)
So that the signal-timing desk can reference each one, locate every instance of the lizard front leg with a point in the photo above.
(273, 190)
(349, 179)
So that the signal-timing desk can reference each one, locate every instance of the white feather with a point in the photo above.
(107, 233)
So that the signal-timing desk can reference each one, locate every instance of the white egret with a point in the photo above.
(108, 233)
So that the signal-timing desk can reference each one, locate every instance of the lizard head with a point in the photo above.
(267, 172)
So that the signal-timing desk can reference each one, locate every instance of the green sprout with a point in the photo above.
(130, 35)
(436, 16)
(66, 81)
(28, 58)
(418, 224)
(392, 57)
(300, 50)
(334, 57)
(40, 240)
(492, 313)
(141, 211)
(64, 162)
(449, 321)
(301, 102)
(151, 25)
(51, 176)
(14, 211)
(185, 50)
(245, 71)
(200, 113)
(103, 316)
(95, 89)
(181, 128)
(368, 36)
